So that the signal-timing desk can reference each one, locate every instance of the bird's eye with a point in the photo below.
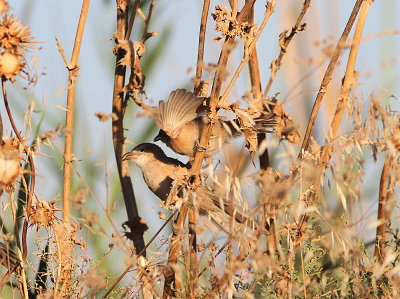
(141, 150)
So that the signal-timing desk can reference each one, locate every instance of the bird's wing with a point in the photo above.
(182, 107)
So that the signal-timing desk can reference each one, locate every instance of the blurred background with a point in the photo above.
(170, 63)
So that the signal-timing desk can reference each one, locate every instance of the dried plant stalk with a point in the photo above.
(118, 107)
(328, 76)
(72, 75)
(383, 212)
(268, 12)
(202, 35)
(275, 66)
(32, 164)
(193, 264)
(263, 158)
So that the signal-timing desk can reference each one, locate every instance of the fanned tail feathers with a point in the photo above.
(180, 109)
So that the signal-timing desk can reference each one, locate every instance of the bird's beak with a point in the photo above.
(129, 156)
(158, 137)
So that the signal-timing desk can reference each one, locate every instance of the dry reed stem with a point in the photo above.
(147, 21)
(192, 216)
(193, 263)
(216, 88)
(202, 35)
(134, 222)
(132, 19)
(383, 212)
(328, 76)
(349, 78)
(342, 102)
(60, 264)
(285, 45)
(29, 154)
(118, 107)
(72, 75)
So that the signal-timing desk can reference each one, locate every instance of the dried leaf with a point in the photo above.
(133, 51)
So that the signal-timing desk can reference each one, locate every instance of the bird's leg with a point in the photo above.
(201, 148)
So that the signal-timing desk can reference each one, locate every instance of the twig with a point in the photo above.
(61, 50)
(132, 19)
(268, 12)
(383, 220)
(60, 264)
(147, 21)
(202, 34)
(72, 75)
(277, 63)
(193, 270)
(328, 76)
(29, 154)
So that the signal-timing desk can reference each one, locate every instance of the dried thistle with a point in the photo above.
(10, 167)
(42, 213)
(10, 65)
(4, 7)
(14, 36)
(228, 25)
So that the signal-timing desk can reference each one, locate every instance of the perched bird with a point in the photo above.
(159, 172)
(182, 119)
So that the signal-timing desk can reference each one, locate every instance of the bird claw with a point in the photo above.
(201, 148)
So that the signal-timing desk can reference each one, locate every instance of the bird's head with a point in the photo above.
(144, 153)
(162, 136)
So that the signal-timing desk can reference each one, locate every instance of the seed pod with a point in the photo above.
(10, 167)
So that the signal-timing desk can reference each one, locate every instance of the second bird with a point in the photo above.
(182, 120)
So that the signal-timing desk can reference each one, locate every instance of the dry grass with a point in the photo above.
(307, 237)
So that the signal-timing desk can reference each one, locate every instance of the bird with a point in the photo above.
(160, 171)
(182, 120)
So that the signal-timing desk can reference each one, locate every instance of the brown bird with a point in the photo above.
(182, 120)
(160, 171)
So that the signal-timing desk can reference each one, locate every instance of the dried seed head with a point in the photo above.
(4, 7)
(14, 36)
(10, 167)
(10, 65)
(42, 213)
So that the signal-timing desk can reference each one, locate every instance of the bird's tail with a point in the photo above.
(265, 123)
(225, 216)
